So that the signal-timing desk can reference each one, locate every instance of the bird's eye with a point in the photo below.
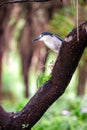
(42, 35)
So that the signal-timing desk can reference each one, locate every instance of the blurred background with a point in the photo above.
(25, 66)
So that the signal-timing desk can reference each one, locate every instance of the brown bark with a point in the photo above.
(70, 54)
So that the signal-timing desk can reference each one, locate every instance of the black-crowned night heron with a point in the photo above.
(52, 41)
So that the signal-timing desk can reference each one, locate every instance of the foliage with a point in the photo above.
(43, 78)
(71, 117)
(63, 21)
(46, 75)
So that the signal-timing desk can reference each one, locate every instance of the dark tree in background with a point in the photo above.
(4, 37)
(25, 45)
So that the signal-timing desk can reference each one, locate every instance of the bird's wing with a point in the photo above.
(60, 38)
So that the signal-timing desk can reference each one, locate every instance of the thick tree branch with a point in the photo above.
(63, 70)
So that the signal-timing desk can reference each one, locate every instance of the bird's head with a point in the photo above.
(45, 36)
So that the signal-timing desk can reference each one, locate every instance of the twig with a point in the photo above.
(2, 3)
(77, 19)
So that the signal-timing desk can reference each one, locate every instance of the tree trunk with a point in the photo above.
(66, 63)
(25, 46)
(82, 79)
(4, 38)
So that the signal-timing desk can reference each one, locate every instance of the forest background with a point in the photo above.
(24, 65)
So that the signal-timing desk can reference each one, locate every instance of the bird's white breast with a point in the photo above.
(52, 42)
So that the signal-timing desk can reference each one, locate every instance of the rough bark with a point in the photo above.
(63, 70)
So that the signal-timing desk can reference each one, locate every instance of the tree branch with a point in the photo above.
(62, 73)
(4, 2)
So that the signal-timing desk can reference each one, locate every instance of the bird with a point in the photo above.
(52, 41)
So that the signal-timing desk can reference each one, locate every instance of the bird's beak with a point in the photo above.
(36, 39)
